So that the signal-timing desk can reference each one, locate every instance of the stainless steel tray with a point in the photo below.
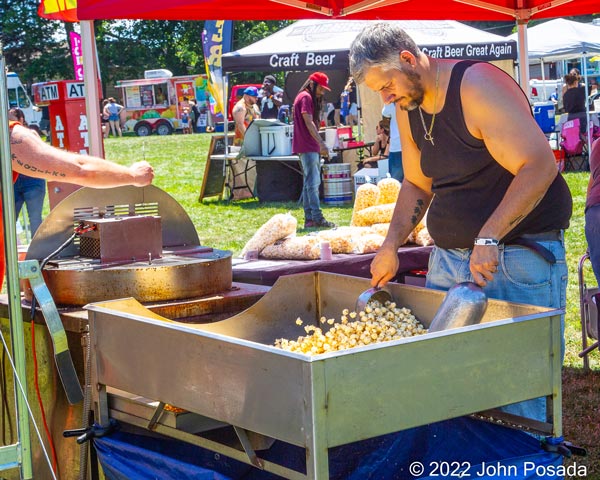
(229, 370)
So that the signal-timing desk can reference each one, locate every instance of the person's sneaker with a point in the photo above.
(323, 224)
(309, 224)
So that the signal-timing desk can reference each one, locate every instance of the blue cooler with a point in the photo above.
(543, 113)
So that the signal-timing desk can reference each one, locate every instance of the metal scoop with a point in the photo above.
(374, 293)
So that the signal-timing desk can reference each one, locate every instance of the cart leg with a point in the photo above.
(317, 455)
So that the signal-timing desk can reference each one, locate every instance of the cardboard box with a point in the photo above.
(366, 175)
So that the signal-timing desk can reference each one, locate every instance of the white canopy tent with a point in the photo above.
(561, 39)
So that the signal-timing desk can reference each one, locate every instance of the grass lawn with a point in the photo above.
(179, 162)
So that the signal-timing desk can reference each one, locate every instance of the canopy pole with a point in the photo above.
(587, 106)
(523, 57)
(92, 95)
(226, 112)
(23, 453)
(543, 80)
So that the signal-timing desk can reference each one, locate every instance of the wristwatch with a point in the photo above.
(486, 241)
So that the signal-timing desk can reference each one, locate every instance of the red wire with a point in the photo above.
(39, 397)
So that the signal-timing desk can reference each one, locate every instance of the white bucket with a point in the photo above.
(331, 138)
(276, 141)
(337, 184)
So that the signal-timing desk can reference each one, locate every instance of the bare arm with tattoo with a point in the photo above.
(411, 206)
(32, 156)
(413, 201)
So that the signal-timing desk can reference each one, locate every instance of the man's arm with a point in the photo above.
(238, 115)
(504, 122)
(413, 200)
(32, 156)
(312, 129)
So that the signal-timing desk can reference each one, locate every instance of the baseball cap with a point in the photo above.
(252, 91)
(321, 79)
(270, 78)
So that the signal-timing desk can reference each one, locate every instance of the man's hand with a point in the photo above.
(484, 263)
(143, 174)
(324, 150)
(384, 266)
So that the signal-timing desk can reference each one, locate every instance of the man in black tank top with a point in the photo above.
(478, 162)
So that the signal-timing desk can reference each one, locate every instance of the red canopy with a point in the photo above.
(347, 9)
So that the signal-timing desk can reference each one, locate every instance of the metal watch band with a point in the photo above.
(486, 241)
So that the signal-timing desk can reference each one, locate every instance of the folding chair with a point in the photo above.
(589, 300)
(573, 145)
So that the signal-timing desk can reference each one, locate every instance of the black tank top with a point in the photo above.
(468, 184)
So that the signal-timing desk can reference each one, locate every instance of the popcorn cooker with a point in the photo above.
(229, 373)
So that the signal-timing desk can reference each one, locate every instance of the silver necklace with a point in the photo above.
(427, 134)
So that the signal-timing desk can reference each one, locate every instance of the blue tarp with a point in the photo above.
(457, 448)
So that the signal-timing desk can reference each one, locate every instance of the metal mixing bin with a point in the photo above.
(230, 372)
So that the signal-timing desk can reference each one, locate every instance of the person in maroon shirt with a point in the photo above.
(592, 210)
(309, 145)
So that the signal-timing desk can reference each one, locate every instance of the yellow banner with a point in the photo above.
(65, 10)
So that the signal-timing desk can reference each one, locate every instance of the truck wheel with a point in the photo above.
(143, 130)
(164, 128)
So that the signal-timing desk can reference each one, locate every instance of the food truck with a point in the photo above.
(154, 104)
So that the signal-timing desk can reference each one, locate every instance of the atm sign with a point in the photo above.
(75, 90)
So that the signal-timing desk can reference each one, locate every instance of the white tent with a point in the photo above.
(561, 39)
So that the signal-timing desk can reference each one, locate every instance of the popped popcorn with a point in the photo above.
(378, 323)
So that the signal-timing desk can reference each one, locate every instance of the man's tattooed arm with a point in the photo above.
(417, 212)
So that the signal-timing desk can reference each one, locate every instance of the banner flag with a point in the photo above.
(217, 39)
(65, 10)
(77, 55)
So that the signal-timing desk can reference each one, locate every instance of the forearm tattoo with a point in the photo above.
(519, 218)
(17, 139)
(417, 212)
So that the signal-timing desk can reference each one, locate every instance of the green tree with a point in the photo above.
(247, 32)
(35, 48)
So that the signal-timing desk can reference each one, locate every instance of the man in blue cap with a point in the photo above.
(244, 112)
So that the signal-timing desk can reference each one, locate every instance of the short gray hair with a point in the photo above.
(379, 45)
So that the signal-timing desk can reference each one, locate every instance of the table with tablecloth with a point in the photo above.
(266, 272)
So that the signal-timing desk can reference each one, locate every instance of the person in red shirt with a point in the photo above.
(309, 145)
(32, 156)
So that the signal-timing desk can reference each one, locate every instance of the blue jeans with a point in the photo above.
(30, 191)
(592, 235)
(311, 166)
(395, 164)
(523, 276)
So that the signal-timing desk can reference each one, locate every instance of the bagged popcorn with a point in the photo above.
(375, 214)
(423, 238)
(342, 239)
(294, 248)
(369, 242)
(279, 226)
(367, 195)
(389, 188)
(380, 228)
